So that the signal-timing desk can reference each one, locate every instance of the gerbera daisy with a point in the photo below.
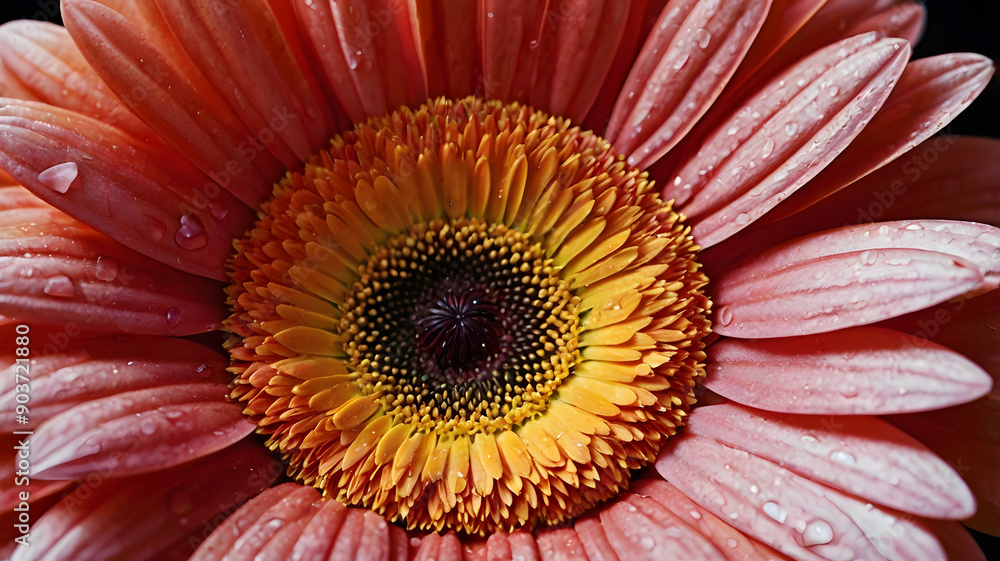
(501, 279)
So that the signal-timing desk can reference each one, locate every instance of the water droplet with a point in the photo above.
(60, 286)
(60, 177)
(702, 37)
(680, 62)
(743, 219)
(153, 229)
(768, 147)
(817, 532)
(732, 543)
(791, 128)
(173, 414)
(179, 503)
(647, 543)
(191, 235)
(274, 524)
(775, 511)
(849, 391)
(695, 515)
(218, 211)
(754, 489)
(147, 427)
(107, 269)
(733, 130)
(842, 457)
(205, 370)
(833, 91)
(415, 542)
(725, 315)
(173, 317)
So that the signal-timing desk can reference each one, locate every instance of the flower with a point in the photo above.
(321, 280)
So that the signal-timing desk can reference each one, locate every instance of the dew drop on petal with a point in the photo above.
(147, 428)
(833, 91)
(153, 229)
(818, 532)
(695, 515)
(732, 543)
(60, 177)
(775, 511)
(842, 457)
(768, 147)
(849, 391)
(703, 37)
(191, 235)
(647, 543)
(725, 315)
(173, 317)
(791, 128)
(107, 269)
(218, 211)
(680, 62)
(60, 286)
(743, 219)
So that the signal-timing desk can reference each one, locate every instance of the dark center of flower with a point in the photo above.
(461, 332)
(467, 317)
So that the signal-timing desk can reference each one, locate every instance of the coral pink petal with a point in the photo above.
(575, 54)
(958, 543)
(435, 547)
(975, 459)
(44, 60)
(930, 93)
(267, 528)
(195, 122)
(12, 484)
(560, 544)
(853, 276)
(683, 66)
(641, 17)
(736, 546)
(639, 528)
(594, 539)
(98, 520)
(92, 369)
(443, 32)
(949, 177)
(79, 279)
(510, 31)
(241, 52)
(783, 20)
(159, 207)
(793, 514)
(855, 371)
(15, 198)
(139, 431)
(836, 21)
(365, 54)
(863, 456)
(785, 135)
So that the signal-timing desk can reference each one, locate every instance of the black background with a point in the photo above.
(952, 26)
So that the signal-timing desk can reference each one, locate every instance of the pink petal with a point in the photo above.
(795, 515)
(735, 545)
(785, 135)
(44, 59)
(435, 547)
(560, 544)
(239, 47)
(574, 55)
(14, 485)
(976, 460)
(365, 54)
(102, 177)
(863, 456)
(98, 368)
(443, 32)
(640, 528)
(83, 281)
(595, 541)
(99, 520)
(856, 371)
(184, 112)
(217, 541)
(683, 66)
(139, 431)
(853, 276)
(930, 93)
(958, 543)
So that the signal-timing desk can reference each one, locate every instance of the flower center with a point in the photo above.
(468, 316)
